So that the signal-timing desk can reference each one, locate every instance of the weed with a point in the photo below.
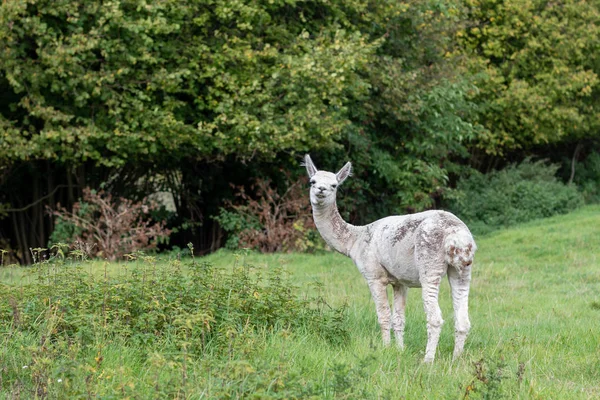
(492, 381)
(188, 309)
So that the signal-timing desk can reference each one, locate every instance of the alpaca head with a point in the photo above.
(323, 184)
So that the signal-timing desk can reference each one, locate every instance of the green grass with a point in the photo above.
(534, 309)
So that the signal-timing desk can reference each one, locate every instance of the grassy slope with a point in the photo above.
(535, 307)
(535, 300)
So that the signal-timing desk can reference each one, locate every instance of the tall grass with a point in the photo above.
(535, 307)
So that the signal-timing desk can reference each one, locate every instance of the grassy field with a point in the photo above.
(534, 309)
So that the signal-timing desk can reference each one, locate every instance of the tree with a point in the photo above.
(418, 119)
(129, 80)
(540, 62)
(136, 96)
(117, 91)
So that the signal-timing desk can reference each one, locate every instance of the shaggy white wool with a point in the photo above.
(415, 250)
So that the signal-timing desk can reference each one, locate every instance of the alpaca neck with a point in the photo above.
(337, 233)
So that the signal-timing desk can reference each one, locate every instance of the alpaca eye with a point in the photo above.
(312, 182)
(334, 186)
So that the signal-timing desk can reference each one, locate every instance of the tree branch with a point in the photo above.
(17, 210)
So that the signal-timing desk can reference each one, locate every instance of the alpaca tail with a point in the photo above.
(460, 249)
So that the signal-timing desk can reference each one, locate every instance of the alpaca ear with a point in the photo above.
(345, 172)
(310, 166)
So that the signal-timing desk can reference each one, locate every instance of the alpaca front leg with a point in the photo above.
(434, 318)
(459, 286)
(398, 318)
(382, 306)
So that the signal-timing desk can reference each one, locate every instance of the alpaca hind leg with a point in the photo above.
(459, 286)
(434, 318)
(382, 306)
(398, 318)
(432, 267)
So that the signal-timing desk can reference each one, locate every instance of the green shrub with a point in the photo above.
(516, 194)
(150, 301)
(64, 231)
(234, 223)
(174, 316)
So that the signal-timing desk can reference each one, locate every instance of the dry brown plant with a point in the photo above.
(284, 218)
(113, 227)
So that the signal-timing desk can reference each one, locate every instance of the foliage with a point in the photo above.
(111, 228)
(131, 81)
(270, 221)
(411, 169)
(540, 70)
(174, 83)
(419, 119)
(189, 309)
(233, 223)
(149, 302)
(516, 194)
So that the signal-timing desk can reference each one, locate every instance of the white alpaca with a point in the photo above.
(414, 250)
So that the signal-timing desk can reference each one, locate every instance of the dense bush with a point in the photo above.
(518, 193)
(174, 315)
(149, 302)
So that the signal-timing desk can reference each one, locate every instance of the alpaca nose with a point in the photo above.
(322, 188)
